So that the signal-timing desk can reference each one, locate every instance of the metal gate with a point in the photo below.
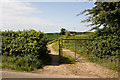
(76, 43)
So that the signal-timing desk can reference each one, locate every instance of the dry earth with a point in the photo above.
(81, 69)
(90, 68)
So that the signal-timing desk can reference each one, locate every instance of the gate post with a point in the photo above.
(75, 49)
(89, 50)
(59, 51)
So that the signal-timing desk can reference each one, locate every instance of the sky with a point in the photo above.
(48, 17)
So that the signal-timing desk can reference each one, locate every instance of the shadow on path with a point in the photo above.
(55, 60)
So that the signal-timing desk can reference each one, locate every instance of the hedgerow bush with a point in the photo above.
(104, 19)
(107, 44)
(24, 50)
(107, 48)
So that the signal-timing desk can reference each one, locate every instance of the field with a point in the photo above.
(52, 37)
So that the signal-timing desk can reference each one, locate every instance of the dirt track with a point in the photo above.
(90, 68)
(54, 70)
(83, 68)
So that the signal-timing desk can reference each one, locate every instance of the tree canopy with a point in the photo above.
(105, 19)
(106, 14)
(63, 31)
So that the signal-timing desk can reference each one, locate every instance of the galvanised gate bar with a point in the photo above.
(74, 42)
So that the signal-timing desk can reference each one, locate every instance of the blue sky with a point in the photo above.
(45, 16)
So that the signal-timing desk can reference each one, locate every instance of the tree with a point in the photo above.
(63, 31)
(106, 14)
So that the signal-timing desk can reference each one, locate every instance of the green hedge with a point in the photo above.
(107, 47)
(25, 49)
(107, 44)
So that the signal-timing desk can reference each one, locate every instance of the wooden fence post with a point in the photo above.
(59, 51)
(75, 49)
(89, 50)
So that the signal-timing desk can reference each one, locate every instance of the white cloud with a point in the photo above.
(18, 13)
